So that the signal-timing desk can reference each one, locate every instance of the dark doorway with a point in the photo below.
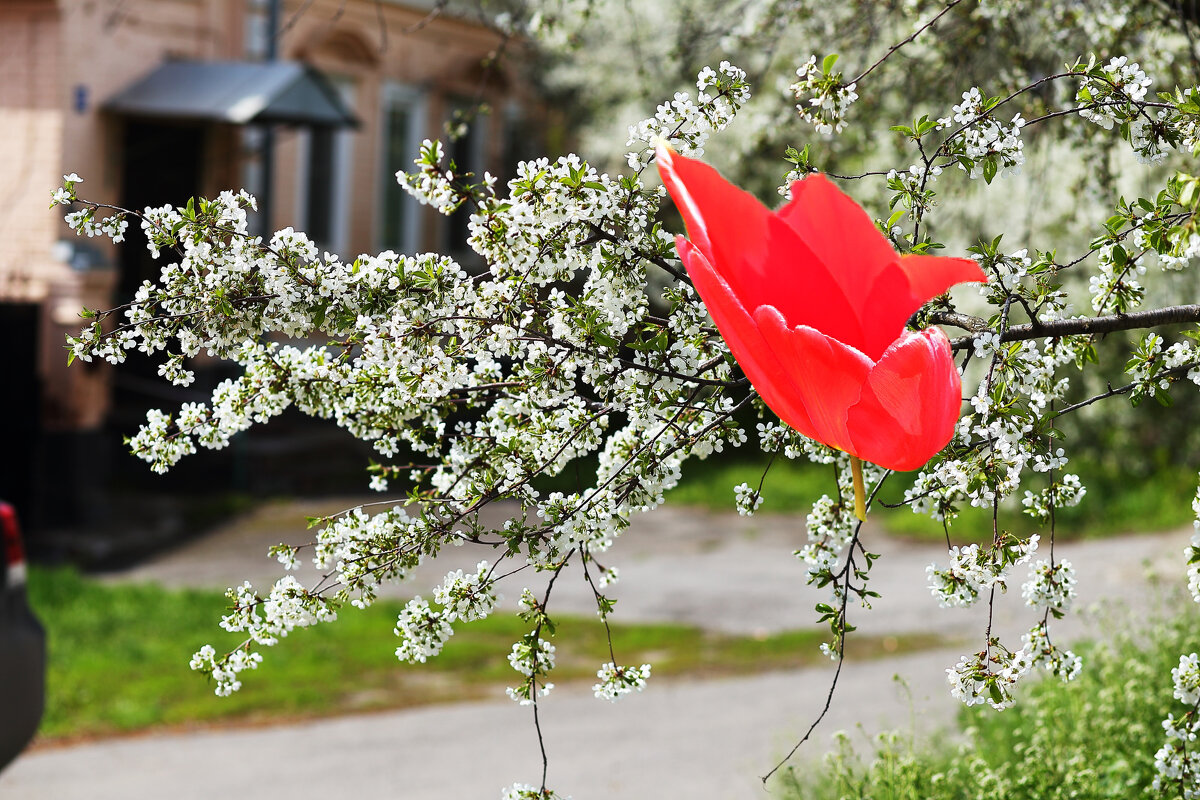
(161, 164)
(21, 407)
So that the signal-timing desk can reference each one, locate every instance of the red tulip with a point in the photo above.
(812, 301)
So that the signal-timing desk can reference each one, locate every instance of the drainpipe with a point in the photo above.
(267, 153)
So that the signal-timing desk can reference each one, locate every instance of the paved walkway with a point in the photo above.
(701, 740)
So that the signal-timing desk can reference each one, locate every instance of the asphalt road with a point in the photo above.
(701, 740)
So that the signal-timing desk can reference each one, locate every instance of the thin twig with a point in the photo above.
(846, 572)
(537, 635)
(902, 43)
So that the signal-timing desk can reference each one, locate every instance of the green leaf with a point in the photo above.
(828, 62)
(1187, 197)
(319, 314)
(989, 170)
(605, 339)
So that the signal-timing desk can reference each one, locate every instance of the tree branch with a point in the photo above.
(1169, 315)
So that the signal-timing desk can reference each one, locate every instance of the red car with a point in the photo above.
(22, 646)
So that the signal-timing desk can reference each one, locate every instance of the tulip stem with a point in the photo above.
(860, 492)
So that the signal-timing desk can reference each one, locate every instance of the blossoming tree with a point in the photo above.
(560, 352)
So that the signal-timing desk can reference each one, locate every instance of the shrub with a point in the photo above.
(1094, 737)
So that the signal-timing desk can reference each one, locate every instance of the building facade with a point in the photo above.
(401, 69)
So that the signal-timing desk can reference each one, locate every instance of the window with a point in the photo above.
(325, 162)
(523, 140)
(468, 152)
(399, 223)
(254, 34)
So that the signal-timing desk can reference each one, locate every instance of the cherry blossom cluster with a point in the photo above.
(1110, 94)
(532, 657)
(1115, 287)
(423, 631)
(989, 676)
(974, 569)
(1051, 586)
(1178, 761)
(615, 682)
(747, 499)
(688, 123)
(430, 184)
(1059, 662)
(467, 597)
(1192, 552)
(224, 671)
(983, 145)
(85, 220)
(822, 96)
(835, 556)
(1114, 95)
(65, 194)
(830, 526)
(910, 191)
(526, 791)
(1063, 492)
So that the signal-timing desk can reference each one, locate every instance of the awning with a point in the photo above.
(236, 92)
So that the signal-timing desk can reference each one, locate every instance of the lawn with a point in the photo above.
(1115, 502)
(119, 653)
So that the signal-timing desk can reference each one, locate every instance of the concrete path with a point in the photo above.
(701, 740)
(696, 740)
(716, 571)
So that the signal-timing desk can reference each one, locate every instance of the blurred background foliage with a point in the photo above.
(609, 62)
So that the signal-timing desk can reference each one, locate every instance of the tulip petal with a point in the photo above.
(909, 404)
(841, 234)
(885, 310)
(884, 289)
(759, 256)
(803, 290)
(824, 375)
(726, 223)
(901, 289)
(930, 276)
(752, 353)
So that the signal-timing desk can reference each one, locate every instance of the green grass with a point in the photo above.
(1115, 502)
(1089, 739)
(119, 653)
(790, 487)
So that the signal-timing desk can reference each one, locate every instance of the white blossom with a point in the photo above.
(616, 682)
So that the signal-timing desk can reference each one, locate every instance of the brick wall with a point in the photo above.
(30, 159)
